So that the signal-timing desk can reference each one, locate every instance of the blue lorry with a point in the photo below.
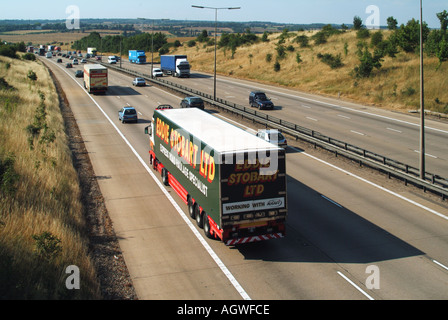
(137, 56)
(176, 65)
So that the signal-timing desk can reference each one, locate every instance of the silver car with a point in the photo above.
(273, 136)
(139, 82)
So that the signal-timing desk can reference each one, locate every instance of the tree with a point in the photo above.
(377, 38)
(357, 23)
(203, 37)
(264, 38)
(409, 36)
(443, 17)
(392, 23)
(442, 53)
(367, 63)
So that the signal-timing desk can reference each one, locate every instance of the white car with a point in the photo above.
(75, 62)
(112, 60)
(156, 72)
(273, 136)
(139, 82)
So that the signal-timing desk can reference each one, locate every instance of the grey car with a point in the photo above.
(259, 100)
(192, 102)
(127, 114)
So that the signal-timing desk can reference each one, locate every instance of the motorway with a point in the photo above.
(391, 134)
(340, 226)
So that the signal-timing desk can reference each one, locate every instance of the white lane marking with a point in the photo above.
(304, 106)
(441, 265)
(346, 108)
(376, 186)
(345, 117)
(312, 119)
(353, 284)
(201, 239)
(394, 130)
(427, 154)
(369, 182)
(360, 133)
(333, 202)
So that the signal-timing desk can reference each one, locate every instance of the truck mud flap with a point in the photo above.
(232, 242)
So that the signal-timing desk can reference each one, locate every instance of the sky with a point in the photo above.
(282, 11)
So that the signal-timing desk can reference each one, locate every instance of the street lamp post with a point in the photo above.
(216, 31)
(422, 101)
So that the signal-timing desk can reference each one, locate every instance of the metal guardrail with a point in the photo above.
(433, 182)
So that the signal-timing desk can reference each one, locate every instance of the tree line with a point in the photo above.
(123, 43)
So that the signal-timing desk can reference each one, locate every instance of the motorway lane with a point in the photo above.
(323, 239)
(369, 128)
(164, 258)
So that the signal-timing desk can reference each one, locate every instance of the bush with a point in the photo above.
(319, 38)
(377, 38)
(333, 61)
(47, 246)
(4, 85)
(363, 33)
(367, 63)
(8, 176)
(302, 40)
(191, 43)
(409, 91)
(281, 52)
(8, 51)
(29, 56)
(277, 66)
(32, 75)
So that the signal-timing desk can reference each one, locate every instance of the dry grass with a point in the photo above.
(47, 197)
(386, 88)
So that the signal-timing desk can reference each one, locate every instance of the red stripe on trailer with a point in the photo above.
(178, 188)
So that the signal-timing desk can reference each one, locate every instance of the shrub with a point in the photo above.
(32, 75)
(8, 51)
(319, 38)
(377, 38)
(409, 91)
(367, 63)
(47, 246)
(277, 66)
(363, 33)
(302, 40)
(281, 52)
(191, 43)
(8, 176)
(29, 56)
(4, 85)
(333, 61)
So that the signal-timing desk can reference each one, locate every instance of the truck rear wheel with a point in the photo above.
(191, 209)
(207, 229)
(165, 176)
(199, 217)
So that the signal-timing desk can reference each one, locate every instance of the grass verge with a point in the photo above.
(42, 227)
